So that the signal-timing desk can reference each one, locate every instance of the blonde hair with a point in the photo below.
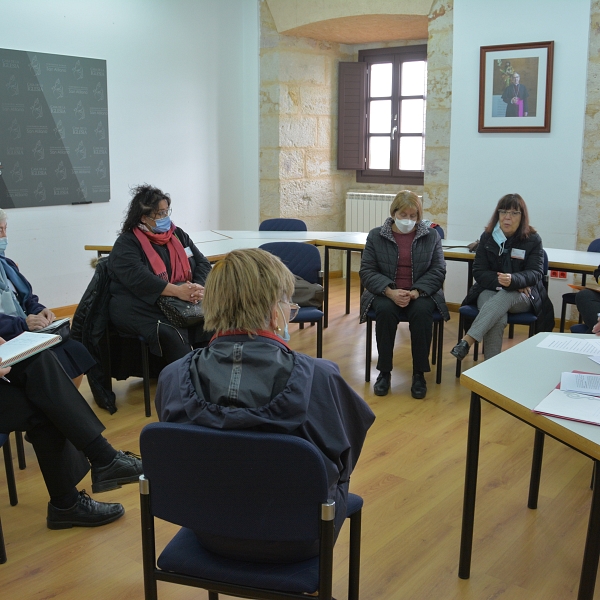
(407, 199)
(3, 215)
(242, 289)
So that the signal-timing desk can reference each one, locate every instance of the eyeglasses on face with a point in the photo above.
(509, 213)
(161, 214)
(294, 309)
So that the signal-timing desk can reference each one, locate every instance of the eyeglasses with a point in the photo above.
(509, 213)
(294, 309)
(161, 214)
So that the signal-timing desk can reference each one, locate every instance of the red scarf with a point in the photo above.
(180, 264)
(261, 333)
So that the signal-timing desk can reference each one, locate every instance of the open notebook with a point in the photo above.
(25, 345)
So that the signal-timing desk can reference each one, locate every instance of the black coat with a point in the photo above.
(526, 272)
(134, 288)
(380, 261)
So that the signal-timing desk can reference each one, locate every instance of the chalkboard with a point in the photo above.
(53, 130)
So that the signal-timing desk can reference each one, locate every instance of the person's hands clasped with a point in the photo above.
(504, 279)
(38, 321)
(595, 329)
(401, 297)
(191, 292)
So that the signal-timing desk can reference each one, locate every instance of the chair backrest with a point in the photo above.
(594, 246)
(282, 225)
(545, 278)
(440, 230)
(234, 486)
(301, 259)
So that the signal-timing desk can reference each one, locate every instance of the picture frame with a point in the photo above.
(515, 88)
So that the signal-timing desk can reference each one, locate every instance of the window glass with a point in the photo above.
(412, 150)
(412, 116)
(414, 78)
(379, 153)
(380, 115)
(380, 80)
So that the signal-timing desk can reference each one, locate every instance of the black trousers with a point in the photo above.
(419, 314)
(588, 305)
(42, 400)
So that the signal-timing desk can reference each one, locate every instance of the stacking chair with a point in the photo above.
(440, 231)
(436, 345)
(569, 297)
(282, 225)
(234, 489)
(469, 312)
(303, 260)
(12, 486)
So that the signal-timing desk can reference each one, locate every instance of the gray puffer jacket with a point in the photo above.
(380, 261)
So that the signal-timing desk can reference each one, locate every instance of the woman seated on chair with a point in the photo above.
(152, 258)
(21, 311)
(403, 270)
(508, 271)
(248, 377)
(588, 305)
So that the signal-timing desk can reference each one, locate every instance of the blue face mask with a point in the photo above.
(286, 334)
(499, 237)
(162, 225)
(3, 244)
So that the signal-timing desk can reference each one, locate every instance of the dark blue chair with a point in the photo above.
(469, 312)
(439, 229)
(12, 486)
(303, 260)
(569, 297)
(235, 489)
(282, 225)
(580, 328)
(436, 345)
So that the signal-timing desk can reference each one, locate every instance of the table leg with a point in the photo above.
(591, 553)
(536, 469)
(466, 539)
(348, 279)
(326, 289)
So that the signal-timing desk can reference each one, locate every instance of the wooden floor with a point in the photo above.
(411, 478)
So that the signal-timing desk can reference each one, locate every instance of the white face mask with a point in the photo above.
(405, 225)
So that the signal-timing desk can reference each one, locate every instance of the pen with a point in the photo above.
(5, 379)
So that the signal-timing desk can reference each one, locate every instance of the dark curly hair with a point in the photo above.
(145, 201)
(513, 202)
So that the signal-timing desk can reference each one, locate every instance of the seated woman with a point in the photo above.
(21, 311)
(248, 378)
(152, 258)
(508, 271)
(588, 305)
(403, 270)
(38, 397)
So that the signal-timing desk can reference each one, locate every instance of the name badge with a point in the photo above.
(518, 254)
(189, 253)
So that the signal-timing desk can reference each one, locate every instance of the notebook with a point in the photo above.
(25, 345)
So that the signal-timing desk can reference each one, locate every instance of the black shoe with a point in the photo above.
(419, 386)
(126, 467)
(85, 513)
(460, 350)
(382, 385)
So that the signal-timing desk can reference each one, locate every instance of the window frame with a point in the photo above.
(396, 56)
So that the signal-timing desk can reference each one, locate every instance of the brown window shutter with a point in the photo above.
(352, 115)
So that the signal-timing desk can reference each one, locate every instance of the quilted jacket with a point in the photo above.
(380, 261)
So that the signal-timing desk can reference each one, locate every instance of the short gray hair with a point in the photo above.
(3, 215)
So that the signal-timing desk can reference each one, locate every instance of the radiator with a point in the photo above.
(365, 210)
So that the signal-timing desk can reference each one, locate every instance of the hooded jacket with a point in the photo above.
(258, 383)
(380, 261)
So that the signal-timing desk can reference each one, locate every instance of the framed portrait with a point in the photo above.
(515, 88)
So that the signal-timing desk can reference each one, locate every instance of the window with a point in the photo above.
(381, 129)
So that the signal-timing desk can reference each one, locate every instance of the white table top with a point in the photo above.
(520, 377)
(215, 249)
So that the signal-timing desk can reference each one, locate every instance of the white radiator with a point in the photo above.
(365, 210)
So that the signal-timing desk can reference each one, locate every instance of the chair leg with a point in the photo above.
(2, 546)
(440, 349)
(476, 351)
(368, 350)
(320, 338)
(461, 327)
(563, 317)
(20, 450)
(354, 557)
(213, 595)
(434, 343)
(511, 331)
(10, 474)
(146, 377)
(300, 325)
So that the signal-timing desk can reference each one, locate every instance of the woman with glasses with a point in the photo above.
(508, 271)
(248, 378)
(152, 258)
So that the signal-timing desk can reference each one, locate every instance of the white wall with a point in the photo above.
(544, 168)
(183, 115)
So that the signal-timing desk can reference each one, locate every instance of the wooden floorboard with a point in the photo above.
(410, 475)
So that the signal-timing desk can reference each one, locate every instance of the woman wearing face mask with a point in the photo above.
(403, 270)
(20, 310)
(151, 256)
(508, 271)
(248, 378)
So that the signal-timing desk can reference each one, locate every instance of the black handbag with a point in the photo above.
(179, 312)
